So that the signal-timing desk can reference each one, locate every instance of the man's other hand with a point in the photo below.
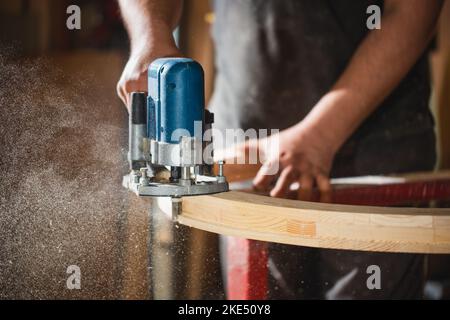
(303, 156)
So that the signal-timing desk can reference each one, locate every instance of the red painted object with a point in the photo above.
(246, 269)
(247, 259)
(399, 194)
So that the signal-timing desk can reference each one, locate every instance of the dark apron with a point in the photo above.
(274, 60)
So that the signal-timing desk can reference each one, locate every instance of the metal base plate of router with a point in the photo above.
(174, 189)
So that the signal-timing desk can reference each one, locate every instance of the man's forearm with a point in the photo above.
(380, 63)
(150, 22)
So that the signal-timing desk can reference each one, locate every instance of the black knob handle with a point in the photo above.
(138, 108)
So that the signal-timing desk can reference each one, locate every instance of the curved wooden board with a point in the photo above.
(382, 229)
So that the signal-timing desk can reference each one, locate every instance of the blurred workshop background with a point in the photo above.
(81, 216)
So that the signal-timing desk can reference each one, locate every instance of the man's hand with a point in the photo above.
(134, 76)
(301, 154)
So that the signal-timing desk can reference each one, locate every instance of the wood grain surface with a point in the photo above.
(383, 229)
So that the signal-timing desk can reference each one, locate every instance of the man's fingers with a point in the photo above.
(131, 82)
(306, 184)
(121, 93)
(264, 177)
(323, 183)
(127, 100)
(124, 93)
(239, 153)
(281, 188)
(306, 181)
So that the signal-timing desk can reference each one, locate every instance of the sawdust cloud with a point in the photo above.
(61, 202)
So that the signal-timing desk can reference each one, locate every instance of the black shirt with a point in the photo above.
(276, 58)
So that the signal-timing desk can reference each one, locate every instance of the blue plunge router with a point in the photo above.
(166, 130)
(176, 98)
